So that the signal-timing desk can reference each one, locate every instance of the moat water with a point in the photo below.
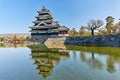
(59, 62)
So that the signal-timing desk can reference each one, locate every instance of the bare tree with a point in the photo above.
(94, 24)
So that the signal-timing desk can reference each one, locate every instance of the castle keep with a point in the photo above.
(45, 27)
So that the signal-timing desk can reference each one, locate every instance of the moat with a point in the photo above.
(53, 62)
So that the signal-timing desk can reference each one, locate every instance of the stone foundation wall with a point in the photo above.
(55, 40)
(40, 39)
(99, 40)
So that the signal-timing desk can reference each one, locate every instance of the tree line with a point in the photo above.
(90, 29)
(14, 38)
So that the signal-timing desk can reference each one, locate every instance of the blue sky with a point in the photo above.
(17, 15)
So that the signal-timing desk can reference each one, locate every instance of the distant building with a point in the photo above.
(46, 26)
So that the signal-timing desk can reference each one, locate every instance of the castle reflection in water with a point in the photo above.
(95, 59)
(47, 58)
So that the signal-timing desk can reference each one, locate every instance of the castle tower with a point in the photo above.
(45, 26)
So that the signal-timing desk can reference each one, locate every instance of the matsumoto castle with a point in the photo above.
(45, 26)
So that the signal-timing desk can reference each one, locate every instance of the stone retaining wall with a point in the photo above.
(55, 40)
(40, 39)
(99, 40)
